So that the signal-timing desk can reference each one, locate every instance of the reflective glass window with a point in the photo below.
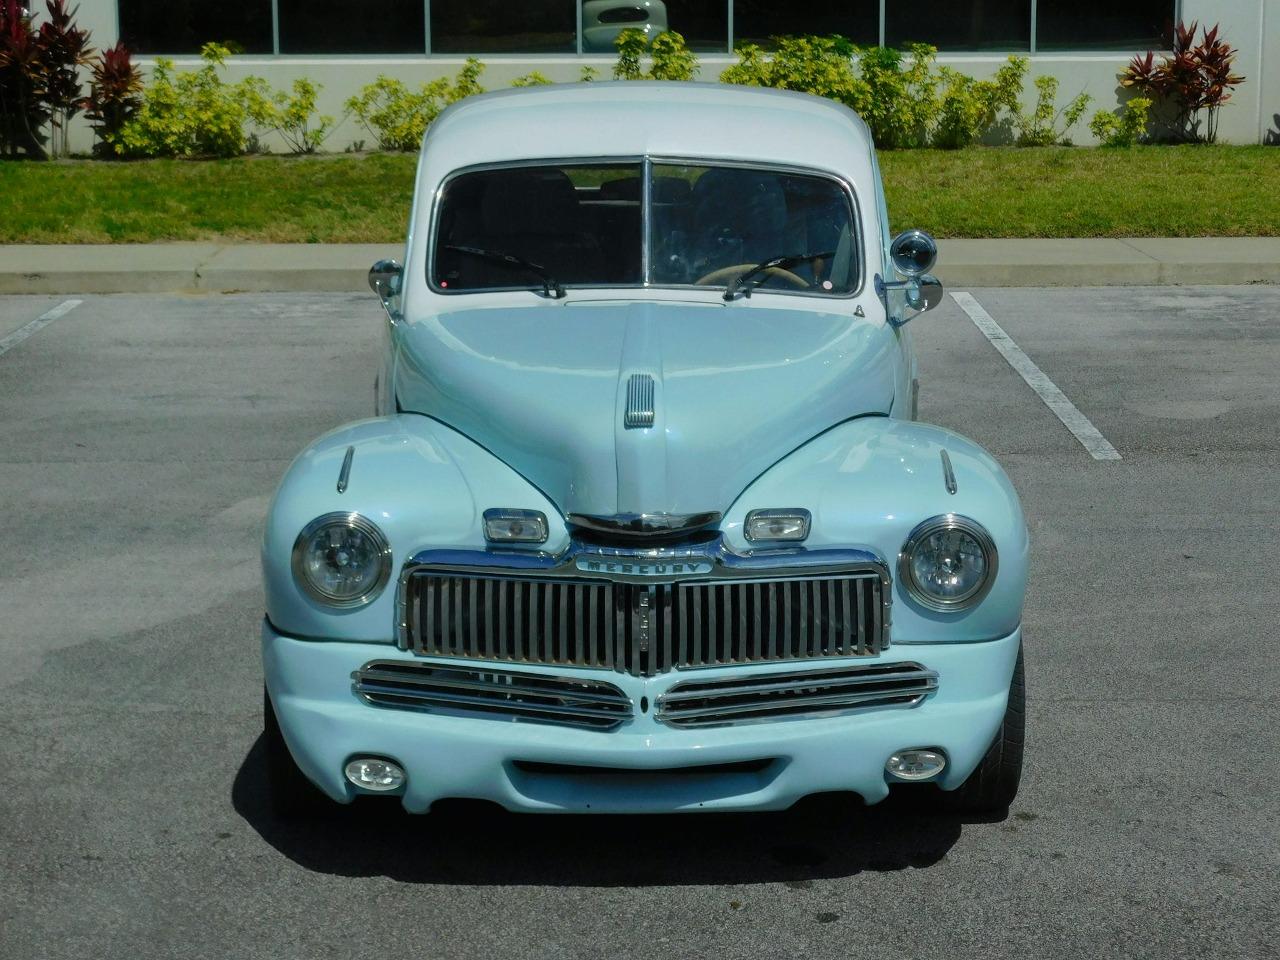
(184, 26)
(498, 26)
(1093, 25)
(951, 25)
(757, 21)
(336, 26)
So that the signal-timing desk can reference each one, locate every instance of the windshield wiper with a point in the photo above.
(550, 285)
(742, 281)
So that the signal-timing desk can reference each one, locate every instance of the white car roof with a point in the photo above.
(647, 118)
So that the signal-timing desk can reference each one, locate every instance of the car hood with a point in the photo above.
(735, 388)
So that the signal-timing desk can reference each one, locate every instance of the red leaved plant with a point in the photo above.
(23, 110)
(64, 49)
(114, 96)
(1195, 79)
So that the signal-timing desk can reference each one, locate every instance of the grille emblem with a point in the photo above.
(640, 410)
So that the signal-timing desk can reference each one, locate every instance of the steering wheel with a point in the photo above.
(724, 274)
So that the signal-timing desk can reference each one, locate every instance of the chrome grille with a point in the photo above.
(641, 628)
(507, 693)
(640, 409)
(770, 696)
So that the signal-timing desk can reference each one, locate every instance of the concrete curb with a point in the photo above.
(260, 268)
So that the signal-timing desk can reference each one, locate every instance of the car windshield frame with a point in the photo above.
(647, 163)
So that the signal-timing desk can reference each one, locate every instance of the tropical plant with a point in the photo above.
(1196, 79)
(1040, 127)
(397, 117)
(24, 112)
(968, 108)
(1124, 127)
(114, 97)
(532, 79)
(64, 49)
(822, 66)
(291, 114)
(898, 95)
(670, 58)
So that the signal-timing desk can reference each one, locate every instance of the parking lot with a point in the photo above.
(141, 438)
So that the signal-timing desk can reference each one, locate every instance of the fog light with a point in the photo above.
(916, 764)
(370, 773)
(515, 526)
(792, 524)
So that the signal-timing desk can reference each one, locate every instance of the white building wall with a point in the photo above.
(1253, 26)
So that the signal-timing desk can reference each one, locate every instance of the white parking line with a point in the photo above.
(1075, 421)
(38, 324)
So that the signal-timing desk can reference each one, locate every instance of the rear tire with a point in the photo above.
(994, 783)
(291, 794)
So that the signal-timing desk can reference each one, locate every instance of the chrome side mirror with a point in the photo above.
(384, 279)
(925, 293)
(913, 253)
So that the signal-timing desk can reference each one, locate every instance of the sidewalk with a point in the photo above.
(239, 268)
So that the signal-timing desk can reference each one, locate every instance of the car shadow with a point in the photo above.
(479, 843)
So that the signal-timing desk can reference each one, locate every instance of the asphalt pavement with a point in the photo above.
(141, 437)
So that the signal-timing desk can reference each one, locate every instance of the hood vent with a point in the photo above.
(640, 409)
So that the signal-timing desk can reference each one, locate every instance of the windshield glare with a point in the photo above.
(567, 225)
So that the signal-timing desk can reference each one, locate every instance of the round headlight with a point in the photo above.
(948, 563)
(342, 560)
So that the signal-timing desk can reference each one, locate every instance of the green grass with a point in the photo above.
(981, 192)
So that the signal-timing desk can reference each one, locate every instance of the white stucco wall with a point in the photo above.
(1253, 26)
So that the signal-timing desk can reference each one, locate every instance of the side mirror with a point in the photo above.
(925, 293)
(913, 253)
(384, 279)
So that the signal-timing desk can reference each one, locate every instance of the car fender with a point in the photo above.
(868, 482)
(423, 484)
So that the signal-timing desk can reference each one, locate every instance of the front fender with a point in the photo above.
(868, 482)
(424, 484)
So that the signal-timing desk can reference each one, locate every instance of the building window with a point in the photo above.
(758, 21)
(499, 26)
(335, 26)
(948, 25)
(704, 24)
(1101, 25)
(184, 26)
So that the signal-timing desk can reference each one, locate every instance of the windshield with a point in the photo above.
(556, 226)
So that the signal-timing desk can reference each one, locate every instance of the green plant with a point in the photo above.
(1123, 128)
(1040, 127)
(670, 58)
(65, 49)
(113, 97)
(822, 66)
(531, 79)
(898, 96)
(397, 117)
(587, 74)
(188, 114)
(290, 114)
(968, 108)
(1196, 78)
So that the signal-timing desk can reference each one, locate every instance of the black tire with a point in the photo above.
(994, 783)
(290, 793)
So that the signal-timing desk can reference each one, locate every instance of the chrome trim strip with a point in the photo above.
(640, 525)
(640, 407)
(948, 475)
(344, 475)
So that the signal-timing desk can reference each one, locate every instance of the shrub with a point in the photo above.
(968, 108)
(290, 114)
(1123, 128)
(113, 97)
(532, 79)
(1196, 78)
(822, 66)
(65, 49)
(898, 96)
(670, 58)
(1040, 127)
(397, 117)
(23, 109)
(190, 113)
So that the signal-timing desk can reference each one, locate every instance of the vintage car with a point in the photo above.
(644, 521)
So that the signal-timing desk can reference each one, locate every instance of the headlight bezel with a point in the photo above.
(353, 521)
(939, 524)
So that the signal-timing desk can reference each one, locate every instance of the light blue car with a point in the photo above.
(644, 521)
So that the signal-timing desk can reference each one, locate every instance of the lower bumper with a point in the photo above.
(523, 766)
